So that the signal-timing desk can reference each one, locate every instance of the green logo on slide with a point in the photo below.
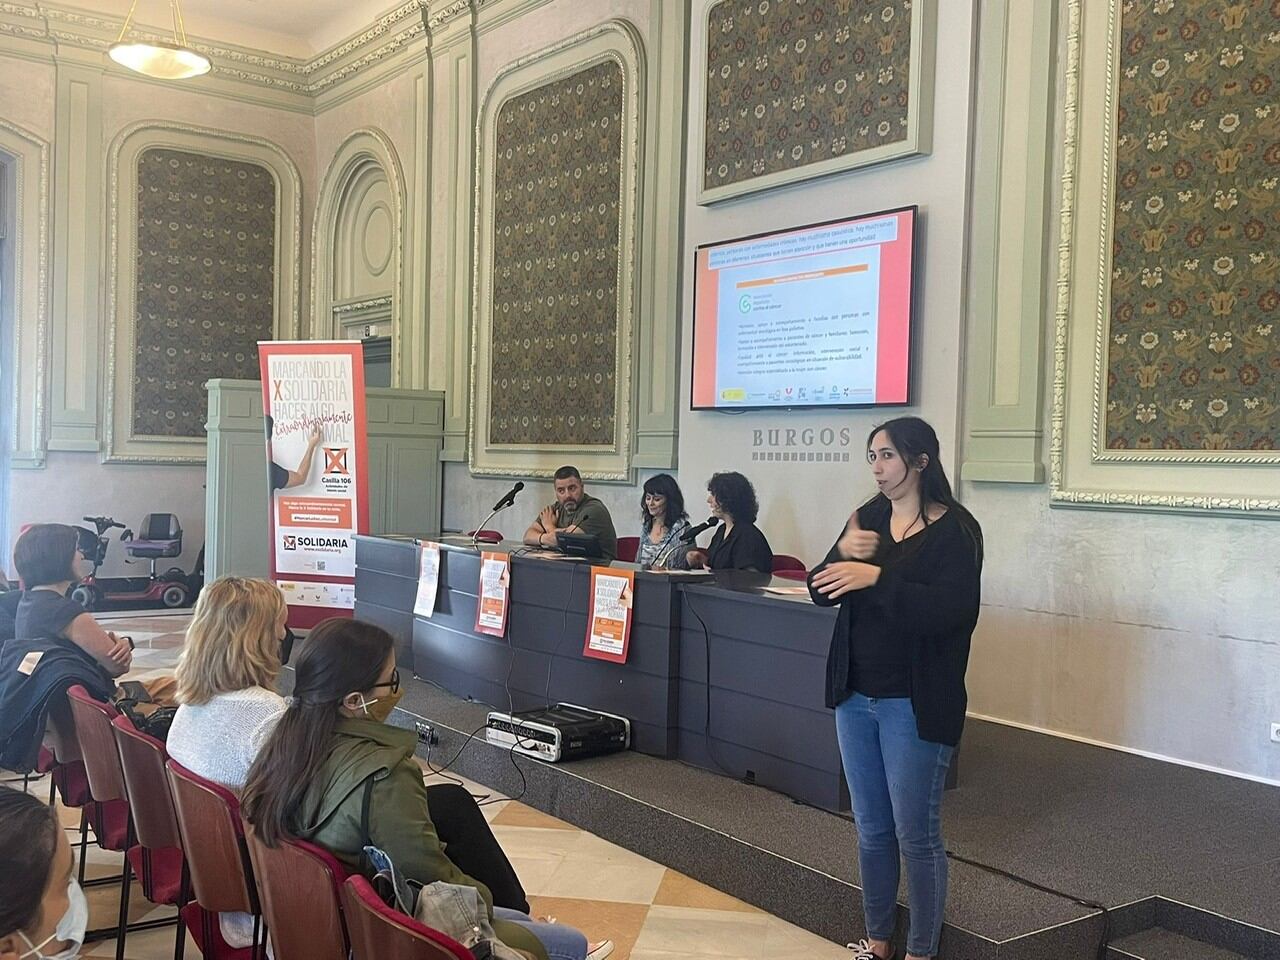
(744, 304)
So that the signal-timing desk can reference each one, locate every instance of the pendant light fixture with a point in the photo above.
(159, 58)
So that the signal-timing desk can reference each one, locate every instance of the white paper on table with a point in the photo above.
(424, 605)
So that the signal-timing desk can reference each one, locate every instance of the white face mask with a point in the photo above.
(70, 928)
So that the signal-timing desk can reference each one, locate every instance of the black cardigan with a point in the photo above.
(744, 549)
(932, 593)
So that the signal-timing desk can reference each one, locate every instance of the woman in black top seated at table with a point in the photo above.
(738, 543)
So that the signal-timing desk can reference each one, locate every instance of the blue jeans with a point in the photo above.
(562, 942)
(896, 782)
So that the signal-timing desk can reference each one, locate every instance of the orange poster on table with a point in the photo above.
(609, 624)
(491, 605)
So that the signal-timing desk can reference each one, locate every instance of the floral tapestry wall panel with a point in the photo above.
(793, 83)
(1193, 358)
(205, 287)
(557, 195)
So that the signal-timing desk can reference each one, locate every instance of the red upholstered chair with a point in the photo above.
(71, 783)
(789, 567)
(93, 721)
(379, 932)
(486, 536)
(628, 547)
(157, 857)
(217, 861)
(300, 886)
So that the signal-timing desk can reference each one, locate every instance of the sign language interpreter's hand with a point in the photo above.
(856, 543)
(836, 579)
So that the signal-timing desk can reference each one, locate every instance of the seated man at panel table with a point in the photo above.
(573, 512)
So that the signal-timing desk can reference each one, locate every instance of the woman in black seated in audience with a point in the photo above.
(335, 773)
(662, 522)
(738, 543)
(49, 561)
(43, 912)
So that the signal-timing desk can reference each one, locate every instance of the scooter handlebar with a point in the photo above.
(106, 523)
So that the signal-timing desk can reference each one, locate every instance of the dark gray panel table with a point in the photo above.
(767, 722)
(540, 660)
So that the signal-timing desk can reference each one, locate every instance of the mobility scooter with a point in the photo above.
(161, 537)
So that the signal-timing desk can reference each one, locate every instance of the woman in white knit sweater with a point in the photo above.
(228, 704)
(226, 677)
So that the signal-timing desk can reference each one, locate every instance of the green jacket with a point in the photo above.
(399, 823)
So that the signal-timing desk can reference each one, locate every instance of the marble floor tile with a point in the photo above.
(785, 941)
(619, 922)
(689, 931)
(536, 842)
(516, 814)
(535, 872)
(632, 880)
(677, 890)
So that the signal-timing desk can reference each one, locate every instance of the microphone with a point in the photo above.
(507, 500)
(692, 533)
(509, 497)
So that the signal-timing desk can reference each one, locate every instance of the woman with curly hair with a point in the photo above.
(738, 543)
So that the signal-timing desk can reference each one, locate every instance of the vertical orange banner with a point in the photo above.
(609, 619)
(318, 470)
(491, 605)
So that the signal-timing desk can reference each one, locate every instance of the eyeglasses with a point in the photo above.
(394, 683)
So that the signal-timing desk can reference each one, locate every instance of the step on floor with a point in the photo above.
(1160, 944)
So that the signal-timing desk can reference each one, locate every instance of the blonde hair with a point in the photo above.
(231, 642)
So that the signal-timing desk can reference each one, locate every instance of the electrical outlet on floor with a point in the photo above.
(426, 733)
(1275, 733)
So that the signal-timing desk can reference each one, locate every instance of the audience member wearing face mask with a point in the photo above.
(43, 912)
(335, 773)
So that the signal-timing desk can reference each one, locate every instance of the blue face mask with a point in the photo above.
(71, 928)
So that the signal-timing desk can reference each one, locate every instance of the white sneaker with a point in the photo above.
(603, 949)
(862, 951)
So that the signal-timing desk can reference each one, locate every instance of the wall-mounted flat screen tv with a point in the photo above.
(816, 316)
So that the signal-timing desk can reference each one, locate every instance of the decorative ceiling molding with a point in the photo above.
(443, 11)
(391, 34)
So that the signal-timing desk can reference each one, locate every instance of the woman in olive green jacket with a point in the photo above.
(334, 773)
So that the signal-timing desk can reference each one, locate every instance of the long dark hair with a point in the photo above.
(663, 485)
(29, 839)
(736, 496)
(340, 656)
(915, 439)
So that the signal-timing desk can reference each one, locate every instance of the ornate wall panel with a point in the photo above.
(555, 247)
(205, 283)
(556, 228)
(1166, 356)
(27, 161)
(800, 88)
(204, 241)
(1193, 359)
(357, 243)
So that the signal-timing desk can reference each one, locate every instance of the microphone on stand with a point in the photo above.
(509, 497)
(692, 533)
(507, 500)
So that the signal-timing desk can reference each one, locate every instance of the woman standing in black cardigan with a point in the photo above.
(738, 544)
(905, 573)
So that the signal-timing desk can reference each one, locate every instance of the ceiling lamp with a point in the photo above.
(159, 58)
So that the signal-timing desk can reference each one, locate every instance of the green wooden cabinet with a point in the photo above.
(405, 437)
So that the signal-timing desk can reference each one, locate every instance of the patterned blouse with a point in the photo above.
(668, 554)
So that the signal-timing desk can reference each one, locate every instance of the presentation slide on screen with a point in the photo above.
(812, 317)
